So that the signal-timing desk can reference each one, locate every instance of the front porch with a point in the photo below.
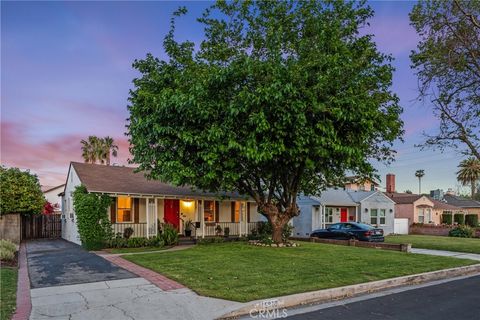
(205, 217)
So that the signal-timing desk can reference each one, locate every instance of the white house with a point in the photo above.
(141, 204)
(338, 205)
(52, 195)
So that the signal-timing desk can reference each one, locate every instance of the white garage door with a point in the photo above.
(400, 226)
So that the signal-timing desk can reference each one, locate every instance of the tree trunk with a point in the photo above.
(277, 233)
(278, 219)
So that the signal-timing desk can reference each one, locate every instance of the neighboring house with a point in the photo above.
(416, 208)
(468, 205)
(358, 184)
(140, 203)
(52, 194)
(335, 205)
(441, 207)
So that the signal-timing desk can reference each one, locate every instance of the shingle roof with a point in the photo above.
(443, 205)
(123, 180)
(403, 198)
(461, 202)
(358, 196)
(335, 197)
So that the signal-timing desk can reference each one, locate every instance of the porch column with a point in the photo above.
(147, 200)
(202, 216)
(356, 214)
(156, 217)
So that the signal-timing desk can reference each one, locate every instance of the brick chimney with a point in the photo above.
(390, 183)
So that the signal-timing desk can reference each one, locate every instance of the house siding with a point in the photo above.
(69, 224)
(378, 201)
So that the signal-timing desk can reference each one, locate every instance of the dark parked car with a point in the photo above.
(350, 230)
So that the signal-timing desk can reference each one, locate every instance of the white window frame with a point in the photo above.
(328, 216)
(421, 213)
(132, 219)
(374, 218)
(384, 217)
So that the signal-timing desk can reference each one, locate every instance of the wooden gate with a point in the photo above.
(41, 226)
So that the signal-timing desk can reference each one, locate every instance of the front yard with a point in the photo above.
(8, 292)
(240, 272)
(470, 245)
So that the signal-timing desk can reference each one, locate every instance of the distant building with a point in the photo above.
(437, 194)
(52, 196)
(356, 183)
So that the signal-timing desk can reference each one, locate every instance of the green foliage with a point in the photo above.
(446, 61)
(447, 219)
(264, 232)
(471, 220)
(98, 149)
(459, 218)
(20, 192)
(135, 242)
(469, 173)
(93, 224)
(169, 234)
(210, 240)
(461, 232)
(287, 232)
(281, 97)
(7, 245)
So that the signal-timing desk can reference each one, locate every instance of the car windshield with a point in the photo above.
(364, 226)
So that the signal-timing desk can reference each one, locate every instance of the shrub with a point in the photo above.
(287, 232)
(471, 220)
(461, 232)
(264, 232)
(93, 224)
(210, 240)
(459, 218)
(8, 245)
(446, 218)
(169, 234)
(20, 192)
(127, 233)
(6, 255)
(136, 242)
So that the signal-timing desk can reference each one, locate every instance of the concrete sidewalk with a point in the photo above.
(461, 255)
(134, 298)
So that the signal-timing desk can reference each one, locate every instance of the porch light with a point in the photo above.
(187, 203)
(366, 210)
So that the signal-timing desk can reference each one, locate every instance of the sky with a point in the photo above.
(66, 71)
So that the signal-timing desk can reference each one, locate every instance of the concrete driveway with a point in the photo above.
(59, 262)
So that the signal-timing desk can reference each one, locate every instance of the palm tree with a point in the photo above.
(469, 173)
(109, 146)
(90, 149)
(419, 174)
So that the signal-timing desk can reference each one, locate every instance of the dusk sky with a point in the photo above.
(66, 72)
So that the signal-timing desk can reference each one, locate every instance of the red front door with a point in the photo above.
(343, 215)
(172, 212)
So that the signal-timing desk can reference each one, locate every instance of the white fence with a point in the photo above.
(400, 226)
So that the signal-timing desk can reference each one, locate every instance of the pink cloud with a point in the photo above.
(48, 159)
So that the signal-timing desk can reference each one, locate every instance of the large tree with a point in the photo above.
(447, 62)
(280, 98)
(20, 192)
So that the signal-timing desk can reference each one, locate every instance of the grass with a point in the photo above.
(8, 292)
(133, 250)
(241, 272)
(470, 245)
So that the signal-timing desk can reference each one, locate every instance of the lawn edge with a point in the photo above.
(349, 291)
(24, 303)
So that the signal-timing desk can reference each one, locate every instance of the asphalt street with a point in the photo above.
(458, 299)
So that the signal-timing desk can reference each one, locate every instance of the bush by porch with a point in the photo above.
(236, 271)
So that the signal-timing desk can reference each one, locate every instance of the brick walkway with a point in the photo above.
(160, 281)
(24, 304)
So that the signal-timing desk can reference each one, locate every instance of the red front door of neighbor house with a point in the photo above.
(172, 212)
(343, 215)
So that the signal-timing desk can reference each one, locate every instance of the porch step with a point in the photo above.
(186, 240)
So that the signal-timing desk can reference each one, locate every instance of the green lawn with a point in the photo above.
(241, 272)
(130, 250)
(471, 245)
(8, 292)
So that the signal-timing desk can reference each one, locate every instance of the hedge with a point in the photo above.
(471, 220)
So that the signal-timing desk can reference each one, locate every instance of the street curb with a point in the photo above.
(24, 303)
(348, 291)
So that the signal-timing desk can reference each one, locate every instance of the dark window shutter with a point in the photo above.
(113, 211)
(136, 210)
(217, 211)
(232, 211)
(248, 211)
